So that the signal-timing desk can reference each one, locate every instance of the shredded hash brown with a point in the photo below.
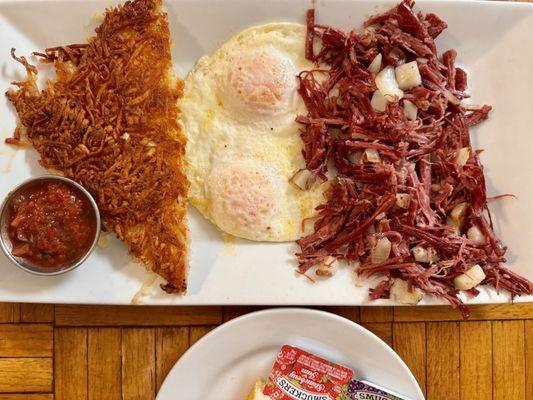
(109, 121)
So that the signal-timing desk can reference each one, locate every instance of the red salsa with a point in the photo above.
(51, 224)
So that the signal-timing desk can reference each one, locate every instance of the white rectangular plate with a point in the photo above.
(493, 40)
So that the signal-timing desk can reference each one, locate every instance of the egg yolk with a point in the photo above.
(242, 199)
(263, 80)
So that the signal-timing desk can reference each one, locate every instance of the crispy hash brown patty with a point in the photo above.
(109, 121)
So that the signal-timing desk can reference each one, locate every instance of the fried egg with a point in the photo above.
(238, 112)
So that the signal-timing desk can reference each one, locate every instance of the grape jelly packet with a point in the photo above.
(358, 390)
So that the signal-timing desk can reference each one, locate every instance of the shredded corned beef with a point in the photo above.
(425, 187)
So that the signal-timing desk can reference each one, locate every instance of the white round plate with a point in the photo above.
(224, 364)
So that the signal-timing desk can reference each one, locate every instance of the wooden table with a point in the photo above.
(67, 352)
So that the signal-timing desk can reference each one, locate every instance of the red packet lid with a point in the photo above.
(299, 375)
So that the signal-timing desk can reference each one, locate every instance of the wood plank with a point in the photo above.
(529, 359)
(231, 312)
(476, 360)
(410, 344)
(36, 312)
(170, 344)
(382, 329)
(477, 313)
(377, 314)
(430, 313)
(104, 365)
(27, 396)
(20, 375)
(26, 340)
(197, 332)
(509, 377)
(442, 361)
(89, 315)
(9, 312)
(138, 364)
(70, 363)
(350, 312)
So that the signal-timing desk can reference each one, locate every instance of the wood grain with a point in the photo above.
(27, 396)
(529, 358)
(376, 314)
(171, 343)
(71, 370)
(442, 360)
(197, 332)
(509, 377)
(26, 340)
(410, 344)
(351, 313)
(104, 364)
(36, 312)
(229, 313)
(382, 330)
(76, 315)
(9, 312)
(26, 375)
(138, 364)
(476, 360)
(477, 313)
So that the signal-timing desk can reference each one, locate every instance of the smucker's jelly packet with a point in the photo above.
(300, 375)
(363, 391)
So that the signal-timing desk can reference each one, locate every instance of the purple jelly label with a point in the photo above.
(361, 391)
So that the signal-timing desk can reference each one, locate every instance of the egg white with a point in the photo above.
(238, 119)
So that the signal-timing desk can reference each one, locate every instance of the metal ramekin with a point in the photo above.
(6, 243)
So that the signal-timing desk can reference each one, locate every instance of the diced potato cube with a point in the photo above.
(400, 293)
(408, 75)
(470, 279)
(378, 101)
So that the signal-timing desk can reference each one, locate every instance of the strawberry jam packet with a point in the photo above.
(299, 375)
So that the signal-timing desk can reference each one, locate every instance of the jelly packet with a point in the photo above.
(358, 390)
(299, 375)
